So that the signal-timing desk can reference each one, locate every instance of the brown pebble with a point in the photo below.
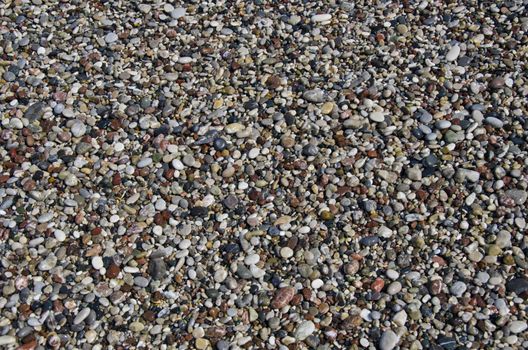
(112, 271)
(283, 297)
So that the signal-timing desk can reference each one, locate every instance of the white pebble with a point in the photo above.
(97, 262)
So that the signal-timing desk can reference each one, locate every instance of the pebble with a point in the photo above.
(321, 17)
(517, 285)
(110, 38)
(283, 297)
(97, 262)
(144, 162)
(377, 117)
(518, 326)
(178, 12)
(458, 288)
(400, 318)
(453, 53)
(78, 129)
(286, 252)
(48, 263)
(315, 96)
(82, 315)
(7, 340)
(389, 340)
(495, 122)
(304, 330)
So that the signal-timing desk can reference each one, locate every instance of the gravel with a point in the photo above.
(263, 175)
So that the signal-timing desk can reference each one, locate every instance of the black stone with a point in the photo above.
(517, 285)
(232, 248)
(219, 144)
(447, 343)
(369, 241)
(199, 211)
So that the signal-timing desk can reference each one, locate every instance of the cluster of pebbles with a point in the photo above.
(263, 174)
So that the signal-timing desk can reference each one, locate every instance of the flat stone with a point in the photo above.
(157, 268)
(141, 281)
(497, 83)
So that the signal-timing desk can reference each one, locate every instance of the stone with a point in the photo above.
(283, 297)
(35, 111)
(517, 285)
(517, 326)
(47, 264)
(458, 288)
(453, 53)
(286, 252)
(178, 12)
(495, 122)
(327, 107)
(110, 38)
(467, 175)
(304, 330)
(497, 83)
(82, 315)
(388, 340)
(321, 17)
(315, 96)
(377, 116)
(157, 269)
(97, 262)
(414, 173)
(78, 129)
(518, 197)
(400, 318)
(7, 340)
(202, 344)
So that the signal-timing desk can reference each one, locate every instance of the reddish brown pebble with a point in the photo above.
(283, 297)
(377, 285)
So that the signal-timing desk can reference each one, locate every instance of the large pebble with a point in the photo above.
(453, 53)
(316, 96)
(304, 330)
(388, 340)
(283, 297)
